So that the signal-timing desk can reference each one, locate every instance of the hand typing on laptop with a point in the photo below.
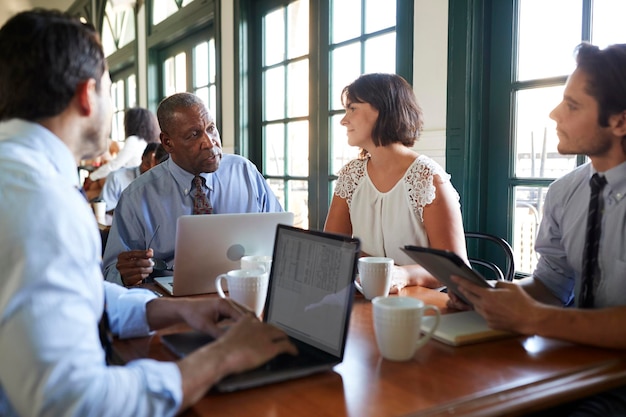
(243, 345)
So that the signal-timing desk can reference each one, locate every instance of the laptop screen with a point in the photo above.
(311, 286)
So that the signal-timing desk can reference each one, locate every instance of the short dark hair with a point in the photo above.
(160, 154)
(150, 148)
(400, 117)
(46, 54)
(141, 122)
(606, 77)
(171, 104)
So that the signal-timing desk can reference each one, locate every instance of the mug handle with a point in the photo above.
(218, 285)
(426, 337)
(357, 284)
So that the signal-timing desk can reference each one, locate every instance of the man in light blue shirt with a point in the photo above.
(232, 184)
(591, 120)
(52, 293)
(118, 180)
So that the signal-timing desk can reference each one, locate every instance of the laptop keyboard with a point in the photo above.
(306, 355)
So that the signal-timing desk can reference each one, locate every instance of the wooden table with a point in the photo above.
(505, 377)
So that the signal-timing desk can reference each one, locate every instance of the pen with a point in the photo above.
(153, 235)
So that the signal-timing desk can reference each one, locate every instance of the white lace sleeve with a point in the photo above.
(419, 180)
(349, 177)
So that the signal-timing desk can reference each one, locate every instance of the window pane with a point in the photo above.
(200, 64)
(274, 158)
(108, 42)
(342, 153)
(175, 75)
(528, 212)
(548, 33)
(212, 61)
(164, 9)
(274, 37)
(274, 85)
(213, 98)
(298, 197)
(278, 187)
(298, 135)
(343, 28)
(298, 86)
(379, 14)
(536, 139)
(131, 87)
(203, 93)
(608, 22)
(119, 96)
(298, 36)
(380, 54)
(127, 29)
(345, 68)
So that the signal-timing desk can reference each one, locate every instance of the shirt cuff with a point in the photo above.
(127, 310)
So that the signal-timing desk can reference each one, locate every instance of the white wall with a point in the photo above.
(429, 74)
(227, 129)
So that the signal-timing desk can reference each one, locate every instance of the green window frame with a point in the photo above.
(486, 94)
(317, 179)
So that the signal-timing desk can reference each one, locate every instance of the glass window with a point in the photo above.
(118, 28)
(548, 32)
(532, 69)
(162, 9)
(286, 106)
(175, 74)
(608, 21)
(364, 42)
(124, 96)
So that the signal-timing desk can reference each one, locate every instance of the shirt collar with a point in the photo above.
(183, 178)
(616, 180)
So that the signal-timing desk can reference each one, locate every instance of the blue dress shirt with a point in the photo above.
(561, 237)
(115, 183)
(162, 194)
(52, 295)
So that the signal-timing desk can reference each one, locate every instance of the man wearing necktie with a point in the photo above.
(196, 179)
(578, 290)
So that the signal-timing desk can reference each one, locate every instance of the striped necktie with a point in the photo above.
(590, 271)
(201, 204)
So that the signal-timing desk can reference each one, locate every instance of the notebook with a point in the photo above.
(211, 244)
(462, 328)
(309, 296)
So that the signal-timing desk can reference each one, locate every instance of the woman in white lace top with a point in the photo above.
(392, 196)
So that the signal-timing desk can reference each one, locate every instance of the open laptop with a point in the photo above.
(211, 244)
(309, 296)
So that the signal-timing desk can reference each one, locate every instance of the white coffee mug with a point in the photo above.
(256, 261)
(398, 325)
(375, 274)
(248, 287)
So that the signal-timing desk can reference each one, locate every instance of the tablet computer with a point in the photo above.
(442, 264)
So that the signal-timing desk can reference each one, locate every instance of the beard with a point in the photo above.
(95, 135)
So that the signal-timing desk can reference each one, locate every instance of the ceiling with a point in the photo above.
(9, 8)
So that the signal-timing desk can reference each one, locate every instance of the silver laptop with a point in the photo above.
(212, 244)
(309, 296)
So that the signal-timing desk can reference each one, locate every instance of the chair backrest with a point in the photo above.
(509, 260)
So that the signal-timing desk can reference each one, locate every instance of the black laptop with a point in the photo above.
(309, 296)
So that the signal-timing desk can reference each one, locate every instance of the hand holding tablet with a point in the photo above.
(443, 264)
